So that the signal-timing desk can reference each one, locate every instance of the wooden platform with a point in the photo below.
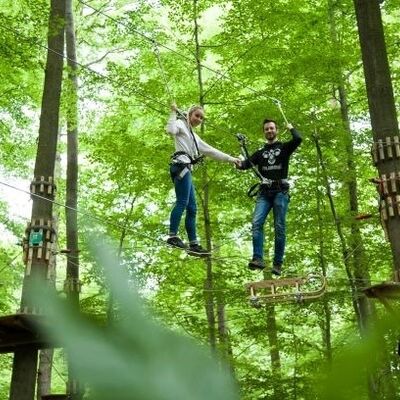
(384, 290)
(55, 397)
(22, 330)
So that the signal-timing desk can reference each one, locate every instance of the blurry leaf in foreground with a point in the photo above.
(360, 361)
(135, 358)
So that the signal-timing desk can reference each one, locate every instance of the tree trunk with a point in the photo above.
(382, 111)
(208, 283)
(41, 234)
(356, 246)
(360, 306)
(223, 334)
(325, 320)
(125, 229)
(360, 266)
(44, 373)
(360, 263)
(209, 280)
(345, 251)
(46, 355)
(272, 333)
(72, 283)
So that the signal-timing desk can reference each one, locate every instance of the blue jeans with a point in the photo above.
(185, 200)
(278, 202)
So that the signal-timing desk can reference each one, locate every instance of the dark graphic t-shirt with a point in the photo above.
(272, 160)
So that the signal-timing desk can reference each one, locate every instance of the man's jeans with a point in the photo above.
(185, 200)
(278, 201)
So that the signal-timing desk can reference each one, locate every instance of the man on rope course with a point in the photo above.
(271, 164)
(189, 150)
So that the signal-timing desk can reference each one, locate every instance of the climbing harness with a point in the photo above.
(184, 167)
(269, 183)
(180, 157)
(176, 157)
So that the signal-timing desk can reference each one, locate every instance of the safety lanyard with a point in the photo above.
(242, 140)
(195, 142)
(253, 191)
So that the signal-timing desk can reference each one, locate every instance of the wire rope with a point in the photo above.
(150, 39)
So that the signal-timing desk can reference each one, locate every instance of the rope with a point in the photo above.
(279, 105)
(98, 219)
(113, 81)
(148, 38)
(85, 67)
(163, 74)
(276, 101)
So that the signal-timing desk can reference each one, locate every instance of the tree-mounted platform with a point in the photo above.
(387, 290)
(23, 330)
(286, 290)
(384, 292)
(55, 397)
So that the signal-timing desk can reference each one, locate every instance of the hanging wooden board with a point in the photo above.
(282, 290)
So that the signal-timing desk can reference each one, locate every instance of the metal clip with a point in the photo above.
(242, 138)
(267, 182)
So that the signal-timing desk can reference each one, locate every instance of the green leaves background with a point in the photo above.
(252, 52)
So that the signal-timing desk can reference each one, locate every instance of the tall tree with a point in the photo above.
(41, 233)
(46, 356)
(209, 280)
(383, 116)
(272, 333)
(72, 282)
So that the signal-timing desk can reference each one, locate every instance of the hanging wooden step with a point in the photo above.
(282, 290)
(55, 397)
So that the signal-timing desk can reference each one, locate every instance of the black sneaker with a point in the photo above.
(197, 251)
(277, 270)
(256, 263)
(174, 241)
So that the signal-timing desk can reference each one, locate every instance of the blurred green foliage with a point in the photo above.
(134, 357)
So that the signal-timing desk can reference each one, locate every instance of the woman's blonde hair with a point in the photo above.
(193, 108)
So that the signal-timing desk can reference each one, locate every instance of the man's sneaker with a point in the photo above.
(196, 250)
(256, 263)
(277, 270)
(174, 241)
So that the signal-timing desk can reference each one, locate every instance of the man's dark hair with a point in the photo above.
(269, 120)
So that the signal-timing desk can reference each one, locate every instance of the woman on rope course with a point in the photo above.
(189, 150)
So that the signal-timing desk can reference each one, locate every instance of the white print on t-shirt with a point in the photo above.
(271, 155)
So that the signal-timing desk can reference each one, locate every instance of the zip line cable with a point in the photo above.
(85, 67)
(354, 280)
(234, 292)
(164, 76)
(107, 78)
(276, 101)
(220, 74)
(95, 218)
(239, 58)
(112, 81)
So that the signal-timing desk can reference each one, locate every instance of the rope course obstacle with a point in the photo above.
(286, 290)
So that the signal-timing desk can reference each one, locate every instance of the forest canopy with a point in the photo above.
(121, 65)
